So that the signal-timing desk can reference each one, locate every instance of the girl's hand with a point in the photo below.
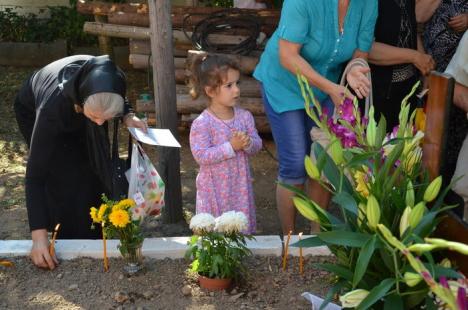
(358, 80)
(40, 250)
(459, 23)
(239, 141)
(130, 120)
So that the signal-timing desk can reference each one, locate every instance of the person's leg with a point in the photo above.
(315, 191)
(289, 132)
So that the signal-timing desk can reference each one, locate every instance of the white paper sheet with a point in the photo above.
(154, 136)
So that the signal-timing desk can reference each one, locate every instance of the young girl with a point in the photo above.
(221, 139)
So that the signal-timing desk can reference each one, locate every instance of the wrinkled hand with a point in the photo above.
(423, 62)
(337, 95)
(239, 141)
(130, 120)
(40, 255)
(459, 23)
(358, 80)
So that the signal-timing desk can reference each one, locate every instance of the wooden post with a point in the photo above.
(165, 104)
(105, 45)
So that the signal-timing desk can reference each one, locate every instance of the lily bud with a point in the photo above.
(371, 131)
(433, 189)
(311, 168)
(417, 214)
(409, 195)
(354, 298)
(305, 209)
(336, 151)
(412, 279)
(446, 263)
(373, 212)
(421, 247)
(451, 245)
(404, 220)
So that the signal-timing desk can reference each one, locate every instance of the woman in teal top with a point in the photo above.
(319, 37)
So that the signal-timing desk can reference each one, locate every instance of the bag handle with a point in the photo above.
(359, 62)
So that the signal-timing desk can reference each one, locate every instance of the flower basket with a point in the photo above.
(389, 207)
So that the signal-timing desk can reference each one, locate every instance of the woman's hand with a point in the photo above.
(459, 23)
(40, 255)
(423, 62)
(130, 120)
(337, 94)
(358, 80)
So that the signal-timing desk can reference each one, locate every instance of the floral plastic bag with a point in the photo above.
(145, 185)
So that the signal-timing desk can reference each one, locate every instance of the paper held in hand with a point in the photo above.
(162, 137)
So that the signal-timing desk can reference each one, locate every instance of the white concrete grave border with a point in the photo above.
(158, 248)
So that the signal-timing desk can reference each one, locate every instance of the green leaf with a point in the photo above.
(381, 131)
(331, 171)
(340, 271)
(360, 159)
(309, 243)
(363, 260)
(346, 238)
(331, 293)
(393, 302)
(346, 201)
(376, 294)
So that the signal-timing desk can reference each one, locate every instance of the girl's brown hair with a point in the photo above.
(211, 71)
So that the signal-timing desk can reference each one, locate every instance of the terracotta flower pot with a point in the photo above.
(214, 284)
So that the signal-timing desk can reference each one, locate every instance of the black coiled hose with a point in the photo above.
(220, 22)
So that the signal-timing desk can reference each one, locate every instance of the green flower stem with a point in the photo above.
(397, 271)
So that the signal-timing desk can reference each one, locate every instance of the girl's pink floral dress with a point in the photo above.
(224, 182)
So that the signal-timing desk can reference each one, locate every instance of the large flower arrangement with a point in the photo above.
(218, 245)
(119, 219)
(388, 207)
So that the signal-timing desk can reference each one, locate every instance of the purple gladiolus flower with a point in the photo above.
(346, 111)
(443, 282)
(462, 302)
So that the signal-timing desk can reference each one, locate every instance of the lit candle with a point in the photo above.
(52, 243)
(301, 261)
(285, 257)
(106, 262)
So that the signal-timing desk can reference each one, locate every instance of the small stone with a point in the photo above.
(148, 294)
(120, 297)
(59, 276)
(292, 300)
(234, 292)
(187, 290)
(233, 298)
(140, 308)
(73, 287)
(121, 277)
(252, 294)
(211, 294)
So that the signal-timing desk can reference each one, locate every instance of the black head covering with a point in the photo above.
(96, 75)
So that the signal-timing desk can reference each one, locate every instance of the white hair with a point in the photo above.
(109, 105)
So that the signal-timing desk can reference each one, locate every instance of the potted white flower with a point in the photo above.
(218, 248)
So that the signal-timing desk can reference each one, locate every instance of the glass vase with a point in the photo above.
(133, 257)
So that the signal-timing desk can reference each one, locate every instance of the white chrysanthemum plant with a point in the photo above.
(219, 245)
(231, 222)
(202, 223)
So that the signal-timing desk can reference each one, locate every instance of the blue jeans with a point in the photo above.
(291, 132)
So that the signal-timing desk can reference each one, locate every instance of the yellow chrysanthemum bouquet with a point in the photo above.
(118, 219)
(388, 210)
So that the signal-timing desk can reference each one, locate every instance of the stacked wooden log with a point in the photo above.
(130, 20)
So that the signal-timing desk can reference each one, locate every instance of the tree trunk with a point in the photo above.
(165, 105)
(144, 61)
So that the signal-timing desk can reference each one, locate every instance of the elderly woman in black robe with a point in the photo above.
(62, 112)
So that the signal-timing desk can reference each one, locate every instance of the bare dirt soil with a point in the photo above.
(165, 284)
